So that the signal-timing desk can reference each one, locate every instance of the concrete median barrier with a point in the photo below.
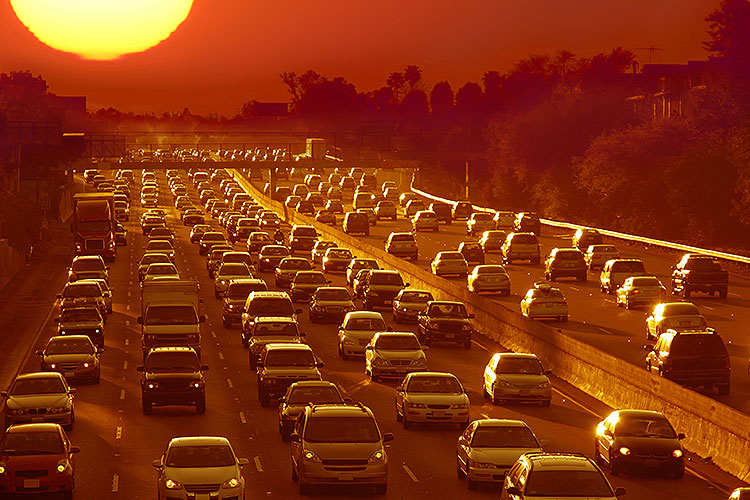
(713, 429)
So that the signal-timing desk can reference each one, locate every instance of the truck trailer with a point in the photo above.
(93, 224)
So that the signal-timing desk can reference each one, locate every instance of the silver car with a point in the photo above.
(198, 467)
(357, 330)
(408, 303)
(432, 397)
(40, 397)
(518, 377)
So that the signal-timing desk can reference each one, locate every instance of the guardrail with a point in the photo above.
(606, 232)
(713, 429)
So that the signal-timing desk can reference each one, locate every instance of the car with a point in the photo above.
(584, 237)
(393, 355)
(83, 294)
(445, 321)
(643, 439)
(640, 290)
(414, 206)
(172, 376)
(544, 301)
(336, 259)
(261, 304)
(209, 239)
(492, 241)
(616, 271)
(305, 283)
(489, 447)
(363, 199)
(161, 233)
(334, 193)
(356, 264)
(676, 316)
(517, 377)
(346, 435)
(462, 210)
(442, 211)
(161, 271)
(406, 197)
(149, 222)
(386, 209)
(302, 238)
(565, 262)
(227, 272)
(402, 245)
(356, 331)
(330, 302)
(197, 231)
(122, 210)
(431, 397)
(520, 246)
(162, 246)
(270, 256)
(238, 290)
(88, 266)
(425, 220)
(408, 303)
(288, 268)
(699, 273)
(479, 222)
(300, 395)
(40, 397)
(489, 278)
(305, 207)
(292, 200)
(234, 257)
(192, 216)
(37, 457)
(242, 228)
(691, 358)
(472, 252)
(121, 234)
(106, 292)
(372, 219)
(214, 258)
(527, 222)
(257, 240)
(272, 330)
(449, 262)
(739, 494)
(380, 287)
(391, 194)
(504, 220)
(538, 475)
(204, 464)
(151, 258)
(325, 217)
(83, 320)
(335, 206)
(320, 248)
(597, 255)
(280, 365)
(356, 222)
(75, 356)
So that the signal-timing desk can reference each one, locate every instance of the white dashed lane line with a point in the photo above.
(125, 365)
(229, 383)
(221, 355)
(122, 394)
(115, 483)
(410, 473)
(242, 417)
(258, 466)
(118, 434)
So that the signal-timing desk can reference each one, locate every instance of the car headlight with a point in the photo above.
(62, 332)
(415, 405)
(2, 469)
(544, 385)
(380, 362)
(378, 456)
(152, 385)
(348, 341)
(197, 384)
(17, 411)
(223, 282)
(419, 362)
(310, 456)
(504, 383)
(466, 327)
(230, 307)
(460, 406)
(480, 465)
(231, 483)
(624, 451)
(62, 466)
(52, 365)
(86, 364)
(677, 453)
(171, 484)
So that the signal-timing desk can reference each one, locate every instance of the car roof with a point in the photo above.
(517, 355)
(430, 374)
(314, 383)
(639, 413)
(557, 461)
(35, 375)
(274, 319)
(68, 337)
(383, 271)
(199, 441)
(363, 314)
(287, 346)
(171, 349)
(500, 422)
(37, 427)
(326, 410)
(444, 302)
(270, 293)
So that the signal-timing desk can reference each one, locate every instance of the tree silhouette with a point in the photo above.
(469, 98)
(412, 75)
(441, 98)
(395, 82)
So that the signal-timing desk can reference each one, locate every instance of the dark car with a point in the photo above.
(381, 287)
(629, 439)
(280, 365)
(301, 394)
(444, 321)
(305, 207)
(527, 222)
(235, 297)
(305, 283)
(85, 320)
(209, 239)
(197, 232)
(462, 210)
(288, 268)
(270, 256)
(302, 238)
(355, 265)
(356, 222)
(443, 211)
(121, 235)
(472, 252)
(585, 237)
(565, 262)
(75, 356)
(265, 304)
(691, 358)
(699, 273)
(272, 330)
(172, 376)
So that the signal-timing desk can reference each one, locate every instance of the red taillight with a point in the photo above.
(617, 256)
(390, 246)
(727, 364)
(667, 365)
(414, 245)
(636, 292)
(596, 256)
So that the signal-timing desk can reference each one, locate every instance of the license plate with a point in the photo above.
(493, 279)
(438, 413)
(31, 483)
(37, 419)
(450, 335)
(525, 393)
(651, 463)
(548, 305)
(346, 477)
(69, 374)
(684, 323)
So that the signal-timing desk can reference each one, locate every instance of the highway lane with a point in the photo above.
(118, 442)
(594, 317)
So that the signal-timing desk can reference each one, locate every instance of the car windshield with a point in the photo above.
(275, 251)
(333, 294)
(524, 239)
(442, 385)
(451, 256)
(397, 342)
(276, 329)
(483, 217)
(32, 443)
(528, 366)
(447, 311)
(567, 483)
(681, 309)
(69, 346)
(88, 265)
(290, 357)
(348, 429)
(490, 436)
(79, 314)
(296, 264)
(46, 385)
(416, 297)
(628, 266)
(387, 279)
(259, 237)
(171, 315)
(234, 269)
(213, 237)
(308, 232)
(242, 290)
(200, 456)
(172, 361)
(339, 254)
(82, 290)
(604, 249)
(644, 427)
(237, 258)
(568, 255)
(316, 395)
(309, 278)
(365, 324)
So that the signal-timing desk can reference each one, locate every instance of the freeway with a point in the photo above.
(594, 317)
(119, 443)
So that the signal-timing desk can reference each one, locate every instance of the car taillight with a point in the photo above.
(727, 364)
(390, 246)
(636, 292)
(703, 323)
(596, 256)
(414, 245)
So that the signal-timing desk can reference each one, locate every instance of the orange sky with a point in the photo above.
(231, 51)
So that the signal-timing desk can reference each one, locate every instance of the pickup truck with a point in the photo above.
(699, 273)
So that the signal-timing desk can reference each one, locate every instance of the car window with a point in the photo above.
(397, 342)
(628, 267)
(200, 456)
(702, 265)
(340, 254)
(680, 309)
(275, 251)
(442, 385)
(315, 395)
(487, 436)
(289, 357)
(168, 361)
(32, 443)
(645, 281)
(69, 346)
(644, 427)
(529, 366)
(524, 239)
(82, 290)
(309, 278)
(276, 329)
(47, 385)
(402, 237)
(294, 264)
(365, 324)
(567, 483)
(697, 345)
(333, 294)
(234, 269)
(416, 297)
(447, 311)
(270, 306)
(347, 429)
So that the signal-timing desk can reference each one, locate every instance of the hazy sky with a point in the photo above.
(231, 51)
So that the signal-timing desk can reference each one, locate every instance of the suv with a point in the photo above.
(280, 365)
(265, 303)
(472, 252)
(559, 475)
(402, 245)
(583, 238)
(462, 210)
(238, 290)
(527, 222)
(339, 444)
(479, 222)
(425, 219)
(445, 321)
(443, 212)
(356, 222)
(520, 246)
(302, 238)
(380, 288)
(565, 262)
(301, 394)
(616, 271)
(172, 376)
(272, 330)
(692, 358)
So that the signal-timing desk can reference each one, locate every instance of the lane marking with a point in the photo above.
(480, 345)
(125, 365)
(242, 418)
(731, 294)
(484, 415)
(118, 434)
(709, 308)
(213, 334)
(605, 331)
(115, 483)
(127, 341)
(127, 322)
(258, 466)
(410, 473)
(362, 383)
(575, 288)
(122, 394)
(229, 383)
(221, 355)
(127, 307)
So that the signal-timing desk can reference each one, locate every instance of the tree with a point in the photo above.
(415, 105)
(729, 30)
(412, 75)
(469, 98)
(395, 82)
(441, 98)
(24, 96)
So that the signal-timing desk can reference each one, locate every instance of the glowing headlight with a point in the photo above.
(677, 453)
(415, 405)
(544, 384)
(419, 362)
(61, 468)
(172, 485)
(312, 457)
(231, 483)
(480, 465)
(377, 456)
(86, 365)
(2, 469)
(152, 385)
(624, 451)
(460, 406)
(53, 365)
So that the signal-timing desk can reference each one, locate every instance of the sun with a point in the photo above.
(102, 29)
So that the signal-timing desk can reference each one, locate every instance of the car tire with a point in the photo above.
(303, 488)
(405, 422)
(723, 294)
(686, 291)
(200, 405)
(381, 489)
(495, 400)
(460, 474)
(546, 403)
(343, 353)
(148, 407)
(97, 378)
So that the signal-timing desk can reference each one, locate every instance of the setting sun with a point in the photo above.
(102, 29)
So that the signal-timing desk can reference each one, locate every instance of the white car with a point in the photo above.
(432, 397)
(356, 331)
(489, 278)
(450, 262)
(545, 301)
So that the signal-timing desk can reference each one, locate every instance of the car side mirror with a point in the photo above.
(57, 320)
(39, 352)
(157, 464)
(303, 334)
(471, 316)
(548, 372)
(202, 318)
(294, 437)
(389, 329)
(242, 461)
(512, 490)
(619, 492)
(107, 294)
(204, 368)
(320, 364)
(681, 436)
(72, 390)
(406, 285)
(425, 347)
(58, 296)
(387, 437)
(139, 368)
(99, 350)
(75, 449)
(139, 319)
(348, 400)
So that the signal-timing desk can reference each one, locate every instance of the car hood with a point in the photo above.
(348, 451)
(31, 462)
(37, 400)
(639, 445)
(523, 379)
(499, 456)
(69, 358)
(399, 354)
(437, 399)
(201, 475)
